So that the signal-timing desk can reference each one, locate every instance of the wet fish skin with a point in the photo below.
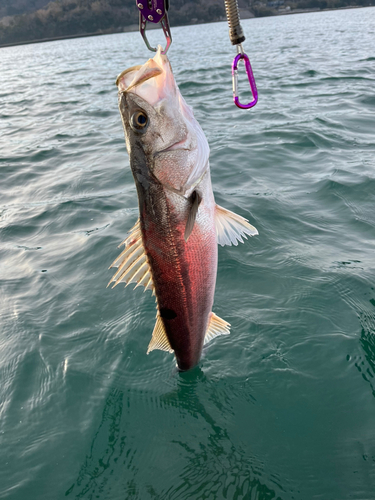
(178, 220)
(184, 273)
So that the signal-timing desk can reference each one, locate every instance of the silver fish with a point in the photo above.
(172, 249)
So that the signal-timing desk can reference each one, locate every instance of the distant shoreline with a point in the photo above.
(132, 28)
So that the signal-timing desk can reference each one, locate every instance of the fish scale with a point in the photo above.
(173, 248)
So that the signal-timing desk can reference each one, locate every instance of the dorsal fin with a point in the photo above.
(195, 200)
(231, 227)
(216, 327)
(159, 338)
(132, 263)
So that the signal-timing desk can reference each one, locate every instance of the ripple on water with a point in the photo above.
(280, 408)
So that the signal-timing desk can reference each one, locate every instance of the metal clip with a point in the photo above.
(250, 76)
(154, 11)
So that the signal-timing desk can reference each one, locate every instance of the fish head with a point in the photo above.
(160, 127)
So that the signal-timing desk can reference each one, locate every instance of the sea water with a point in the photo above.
(283, 407)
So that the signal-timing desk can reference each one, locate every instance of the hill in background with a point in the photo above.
(28, 20)
(14, 7)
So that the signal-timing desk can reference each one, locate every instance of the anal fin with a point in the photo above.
(159, 338)
(216, 327)
(231, 228)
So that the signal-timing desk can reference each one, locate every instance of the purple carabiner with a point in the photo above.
(251, 78)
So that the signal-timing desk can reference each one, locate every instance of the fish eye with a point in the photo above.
(139, 121)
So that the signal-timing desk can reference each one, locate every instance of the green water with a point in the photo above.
(284, 407)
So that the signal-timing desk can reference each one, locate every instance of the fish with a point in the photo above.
(172, 249)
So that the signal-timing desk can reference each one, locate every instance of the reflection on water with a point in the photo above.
(367, 340)
(106, 447)
(205, 465)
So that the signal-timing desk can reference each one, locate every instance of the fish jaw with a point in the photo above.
(153, 81)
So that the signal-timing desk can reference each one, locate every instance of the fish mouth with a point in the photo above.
(152, 81)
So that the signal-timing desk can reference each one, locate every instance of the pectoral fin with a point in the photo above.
(216, 327)
(231, 228)
(132, 263)
(159, 338)
(195, 200)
